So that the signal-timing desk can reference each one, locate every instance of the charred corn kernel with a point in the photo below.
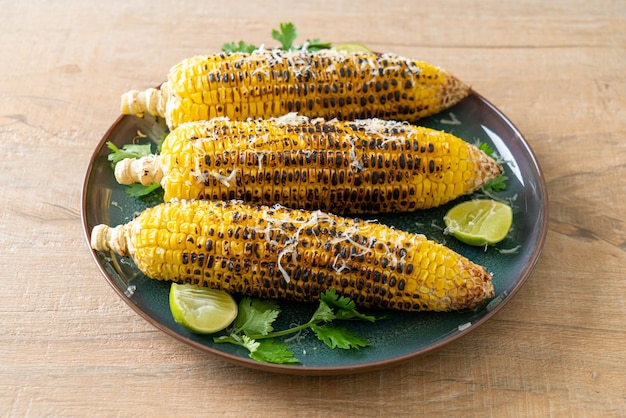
(275, 252)
(271, 83)
(363, 166)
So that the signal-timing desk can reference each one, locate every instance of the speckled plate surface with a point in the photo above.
(402, 336)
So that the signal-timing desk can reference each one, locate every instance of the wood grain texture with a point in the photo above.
(70, 347)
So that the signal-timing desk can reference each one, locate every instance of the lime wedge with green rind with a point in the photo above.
(479, 222)
(353, 47)
(201, 309)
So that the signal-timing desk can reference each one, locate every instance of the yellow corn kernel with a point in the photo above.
(276, 252)
(363, 166)
(325, 83)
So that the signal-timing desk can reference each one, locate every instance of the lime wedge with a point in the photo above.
(200, 309)
(479, 222)
(353, 47)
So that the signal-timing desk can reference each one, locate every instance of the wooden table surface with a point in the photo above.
(69, 346)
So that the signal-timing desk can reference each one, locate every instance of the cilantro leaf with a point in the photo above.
(250, 344)
(267, 350)
(272, 351)
(256, 316)
(286, 35)
(323, 313)
(345, 307)
(139, 190)
(127, 151)
(336, 301)
(240, 46)
(315, 45)
(338, 337)
(484, 147)
(496, 185)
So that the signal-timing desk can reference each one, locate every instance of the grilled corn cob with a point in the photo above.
(275, 252)
(363, 166)
(271, 83)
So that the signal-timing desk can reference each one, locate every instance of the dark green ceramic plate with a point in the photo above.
(402, 336)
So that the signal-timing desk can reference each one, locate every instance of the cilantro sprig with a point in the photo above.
(240, 46)
(132, 151)
(286, 35)
(127, 151)
(253, 328)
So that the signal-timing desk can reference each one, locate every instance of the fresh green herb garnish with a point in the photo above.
(497, 184)
(486, 148)
(315, 45)
(127, 151)
(240, 46)
(286, 34)
(254, 331)
(256, 316)
(139, 190)
(270, 351)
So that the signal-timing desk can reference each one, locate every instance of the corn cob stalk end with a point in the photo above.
(488, 169)
(105, 238)
(144, 170)
(151, 100)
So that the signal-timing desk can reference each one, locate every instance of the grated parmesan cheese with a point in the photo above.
(452, 121)
(130, 290)
(320, 220)
(464, 326)
(513, 250)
